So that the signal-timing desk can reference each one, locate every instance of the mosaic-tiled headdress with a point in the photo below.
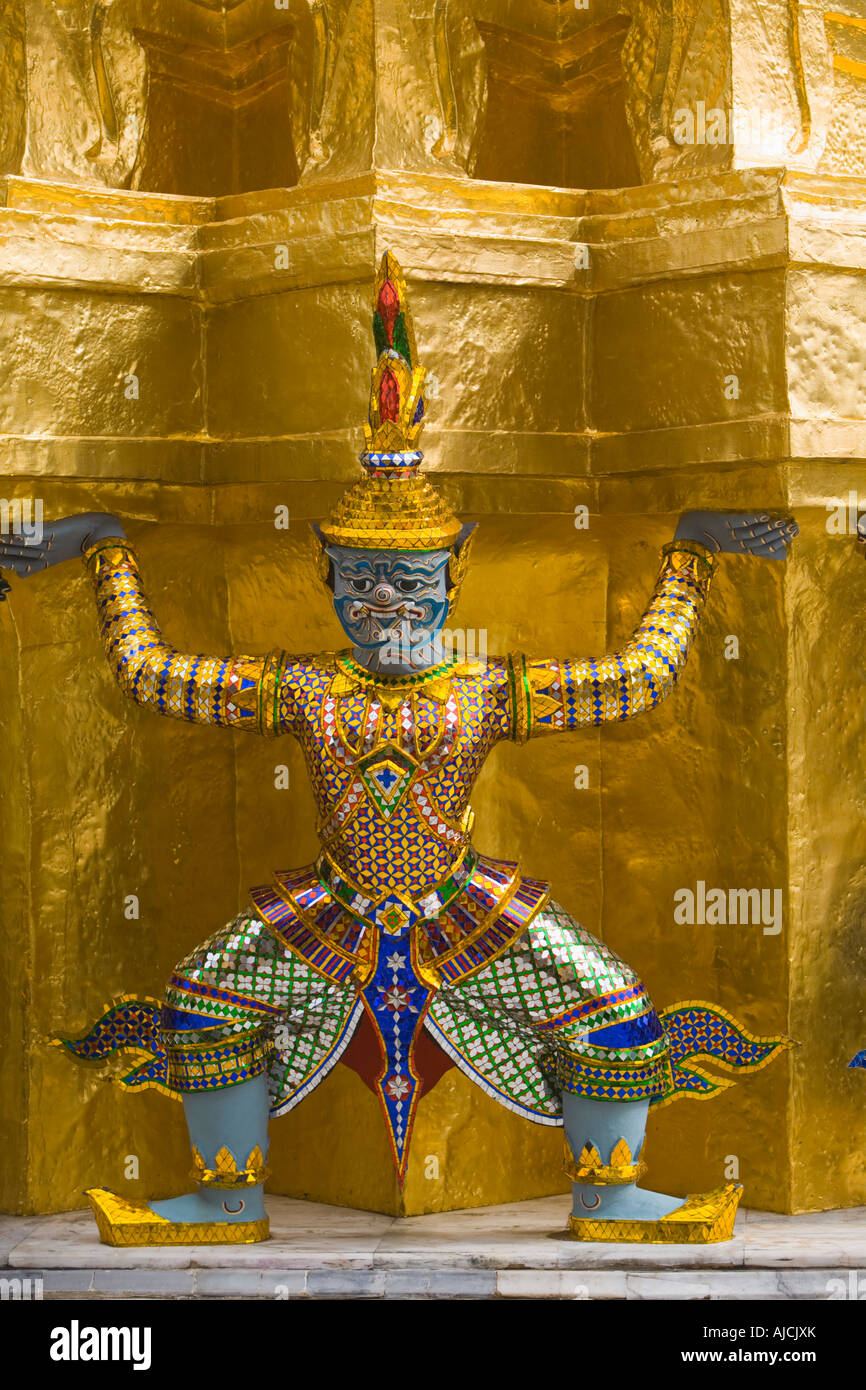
(393, 507)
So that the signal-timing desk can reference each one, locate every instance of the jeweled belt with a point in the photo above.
(383, 912)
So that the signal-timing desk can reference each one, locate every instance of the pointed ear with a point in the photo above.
(324, 564)
(459, 563)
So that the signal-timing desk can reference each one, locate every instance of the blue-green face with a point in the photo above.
(392, 605)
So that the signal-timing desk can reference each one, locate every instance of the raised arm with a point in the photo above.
(234, 692)
(554, 696)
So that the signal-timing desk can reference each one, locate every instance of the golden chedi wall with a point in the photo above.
(634, 238)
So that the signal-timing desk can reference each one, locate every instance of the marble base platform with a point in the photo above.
(517, 1251)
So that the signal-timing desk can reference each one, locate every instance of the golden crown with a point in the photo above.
(393, 507)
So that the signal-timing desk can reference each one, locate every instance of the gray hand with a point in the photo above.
(66, 539)
(739, 533)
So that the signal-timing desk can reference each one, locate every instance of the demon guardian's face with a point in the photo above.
(392, 605)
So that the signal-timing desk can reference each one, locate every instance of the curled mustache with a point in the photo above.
(377, 625)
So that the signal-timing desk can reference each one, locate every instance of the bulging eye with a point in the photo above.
(410, 586)
(362, 586)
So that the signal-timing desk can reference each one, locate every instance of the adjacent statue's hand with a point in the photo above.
(66, 539)
(739, 533)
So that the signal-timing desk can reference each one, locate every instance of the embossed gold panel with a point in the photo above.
(582, 343)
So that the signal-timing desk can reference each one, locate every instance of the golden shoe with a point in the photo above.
(126, 1223)
(703, 1219)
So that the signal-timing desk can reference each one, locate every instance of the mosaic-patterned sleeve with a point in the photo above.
(237, 692)
(552, 696)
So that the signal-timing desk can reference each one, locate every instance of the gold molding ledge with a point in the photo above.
(712, 276)
(805, 487)
(579, 460)
(223, 249)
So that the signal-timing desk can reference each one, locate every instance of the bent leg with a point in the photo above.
(561, 1013)
(610, 1057)
(221, 1007)
(247, 1028)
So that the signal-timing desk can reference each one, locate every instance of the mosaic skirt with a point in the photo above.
(558, 1011)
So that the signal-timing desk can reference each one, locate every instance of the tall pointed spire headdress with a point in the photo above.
(393, 507)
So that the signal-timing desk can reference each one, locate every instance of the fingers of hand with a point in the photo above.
(760, 524)
(771, 548)
(738, 520)
(775, 532)
(22, 565)
(752, 530)
(24, 555)
(24, 546)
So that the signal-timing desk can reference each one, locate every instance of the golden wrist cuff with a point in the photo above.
(687, 547)
(108, 543)
(521, 702)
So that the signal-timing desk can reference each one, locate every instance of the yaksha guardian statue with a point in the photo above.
(401, 921)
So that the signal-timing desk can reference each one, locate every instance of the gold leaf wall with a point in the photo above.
(194, 197)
